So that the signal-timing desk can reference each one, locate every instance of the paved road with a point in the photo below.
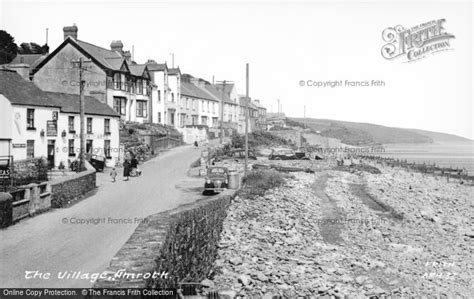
(47, 244)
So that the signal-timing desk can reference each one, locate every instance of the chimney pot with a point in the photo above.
(116, 45)
(70, 31)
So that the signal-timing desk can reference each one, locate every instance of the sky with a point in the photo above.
(285, 43)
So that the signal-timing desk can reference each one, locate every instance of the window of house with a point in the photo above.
(71, 124)
(123, 82)
(172, 97)
(159, 96)
(193, 105)
(119, 105)
(30, 118)
(159, 117)
(208, 103)
(140, 86)
(71, 147)
(30, 148)
(172, 119)
(141, 108)
(89, 146)
(107, 126)
(117, 80)
(89, 125)
(107, 148)
(202, 105)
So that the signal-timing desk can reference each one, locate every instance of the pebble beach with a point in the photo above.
(350, 233)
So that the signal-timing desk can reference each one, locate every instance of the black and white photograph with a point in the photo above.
(236, 149)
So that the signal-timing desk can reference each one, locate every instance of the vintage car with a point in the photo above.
(286, 154)
(282, 154)
(239, 153)
(217, 179)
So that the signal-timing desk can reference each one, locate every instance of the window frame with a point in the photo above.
(89, 125)
(30, 148)
(30, 116)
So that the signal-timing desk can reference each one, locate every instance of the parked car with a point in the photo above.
(217, 179)
(239, 153)
(282, 154)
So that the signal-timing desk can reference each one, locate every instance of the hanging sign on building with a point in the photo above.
(51, 128)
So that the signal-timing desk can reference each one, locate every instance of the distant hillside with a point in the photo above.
(441, 137)
(369, 134)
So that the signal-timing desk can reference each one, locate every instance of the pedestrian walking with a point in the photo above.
(113, 174)
(126, 170)
(196, 144)
(134, 166)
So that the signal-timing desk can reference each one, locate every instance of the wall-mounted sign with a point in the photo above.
(55, 115)
(19, 145)
(5, 168)
(51, 128)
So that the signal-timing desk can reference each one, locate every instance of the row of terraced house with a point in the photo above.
(119, 90)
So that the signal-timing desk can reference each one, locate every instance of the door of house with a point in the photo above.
(51, 152)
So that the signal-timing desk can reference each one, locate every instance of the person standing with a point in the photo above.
(196, 144)
(126, 170)
(134, 166)
(113, 174)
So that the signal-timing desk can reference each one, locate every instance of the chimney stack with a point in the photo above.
(70, 31)
(128, 56)
(117, 45)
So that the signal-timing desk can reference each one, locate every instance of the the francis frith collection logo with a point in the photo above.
(416, 42)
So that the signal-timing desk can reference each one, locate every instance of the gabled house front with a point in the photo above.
(109, 74)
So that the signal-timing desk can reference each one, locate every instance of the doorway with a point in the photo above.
(51, 151)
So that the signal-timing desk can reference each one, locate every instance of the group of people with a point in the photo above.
(130, 168)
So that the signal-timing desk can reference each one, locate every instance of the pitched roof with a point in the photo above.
(174, 71)
(110, 59)
(189, 89)
(258, 104)
(243, 101)
(218, 94)
(153, 66)
(22, 92)
(228, 86)
(30, 59)
(137, 69)
(69, 103)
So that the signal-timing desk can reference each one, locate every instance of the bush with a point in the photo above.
(257, 182)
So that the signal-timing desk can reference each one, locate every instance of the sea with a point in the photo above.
(447, 154)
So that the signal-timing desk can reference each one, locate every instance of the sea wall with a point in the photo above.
(171, 247)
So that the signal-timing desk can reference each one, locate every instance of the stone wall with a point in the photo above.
(173, 246)
(28, 171)
(67, 190)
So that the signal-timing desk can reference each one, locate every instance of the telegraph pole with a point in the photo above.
(222, 108)
(246, 117)
(79, 64)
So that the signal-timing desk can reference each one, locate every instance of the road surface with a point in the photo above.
(55, 244)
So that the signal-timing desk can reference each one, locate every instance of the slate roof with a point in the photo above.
(22, 92)
(218, 94)
(258, 105)
(153, 66)
(137, 69)
(189, 89)
(69, 103)
(174, 71)
(243, 101)
(110, 59)
(30, 59)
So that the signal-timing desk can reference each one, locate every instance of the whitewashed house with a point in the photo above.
(47, 124)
